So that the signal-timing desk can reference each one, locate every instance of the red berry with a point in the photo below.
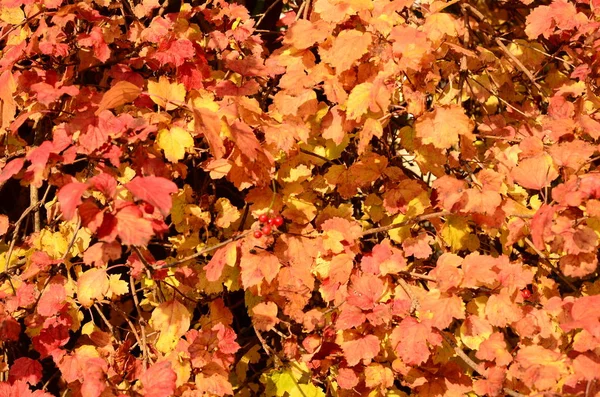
(270, 221)
(263, 218)
(278, 221)
(266, 229)
(257, 234)
(525, 293)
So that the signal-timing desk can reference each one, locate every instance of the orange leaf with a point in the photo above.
(264, 316)
(535, 172)
(91, 286)
(359, 348)
(119, 94)
(443, 126)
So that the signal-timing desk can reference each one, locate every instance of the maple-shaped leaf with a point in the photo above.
(246, 140)
(172, 320)
(501, 309)
(264, 316)
(384, 259)
(69, 197)
(11, 169)
(561, 14)
(174, 142)
(208, 124)
(441, 309)
(419, 247)
(447, 271)
(411, 339)
(20, 388)
(492, 384)
(585, 314)
(25, 369)
(540, 367)
(154, 190)
(535, 172)
(130, 225)
(92, 285)
(104, 183)
(303, 33)
(350, 316)
(159, 380)
(365, 291)
(377, 375)
(119, 94)
(412, 47)
(258, 267)
(52, 300)
(494, 349)
(165, 94)
(443, 127)
(359, 348)
(340, 56)
(226, 336)
(478, 271)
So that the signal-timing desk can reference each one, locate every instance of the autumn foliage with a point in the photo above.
(287, 198)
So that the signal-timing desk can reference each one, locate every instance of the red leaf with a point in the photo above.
(132, 228)
(154, 190)
(159, 380)
(215, 266)
(11, 168)
(25, 369)
(69, 197)
(52, 300)
(104, 183)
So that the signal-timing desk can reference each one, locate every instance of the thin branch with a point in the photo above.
(141, 321)
(552, 268)
(205, 250)
(416, 219)
(519, 64)
(106, 322)
(266, 12)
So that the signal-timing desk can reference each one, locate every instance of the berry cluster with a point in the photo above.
(268, 223)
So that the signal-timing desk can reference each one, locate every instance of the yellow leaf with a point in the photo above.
(92, 285)
(118, 286)
(165, 94)
(53, 243)
(359, 101)
(174, 143)
(12, 15)
(172, 320)
(227, 213)
(456, 233)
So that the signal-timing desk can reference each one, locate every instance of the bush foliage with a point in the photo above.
(279, 198)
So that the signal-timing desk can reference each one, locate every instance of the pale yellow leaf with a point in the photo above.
(92, 285)
(165, 94)
(174, 143)
(118, 286)
(172, 320)
(359, 101)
